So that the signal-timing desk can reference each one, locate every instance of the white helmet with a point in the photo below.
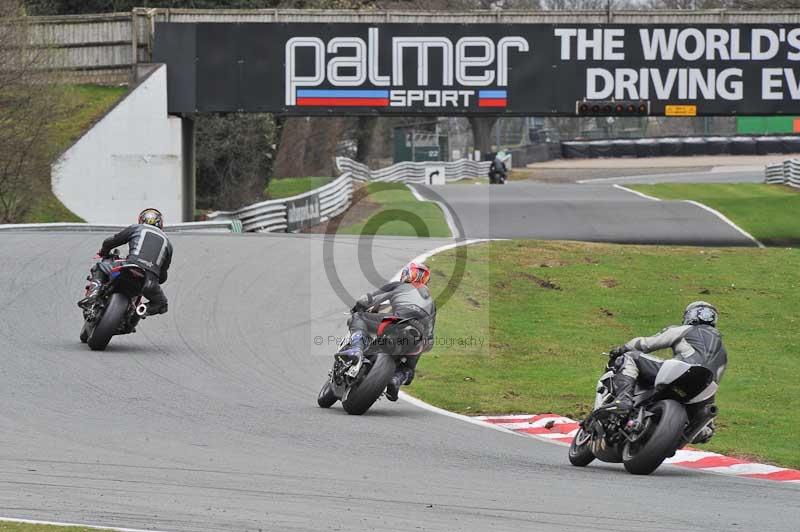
(700, 313)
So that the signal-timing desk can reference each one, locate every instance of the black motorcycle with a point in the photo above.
(497, 177)
(658, 425)
(497, 172)
(118, 307)
(358, 384)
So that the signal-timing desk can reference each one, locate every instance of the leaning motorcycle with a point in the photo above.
(658, 425)
(358, 384)
(118, 307)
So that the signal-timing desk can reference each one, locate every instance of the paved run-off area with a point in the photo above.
(206, 418)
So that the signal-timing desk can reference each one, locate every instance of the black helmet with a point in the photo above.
(700, 313)
(152, 216)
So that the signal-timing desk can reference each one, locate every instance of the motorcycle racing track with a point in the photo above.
(586, 212)
(206, 419)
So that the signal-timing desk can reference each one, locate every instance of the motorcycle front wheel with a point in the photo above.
(580, 450)
(660, 440)
(326, 397)
(84, 332)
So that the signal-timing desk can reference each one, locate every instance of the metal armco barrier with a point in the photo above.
(773, 174)
(408, 172)
(296, 212)
(218, 226)
(786, 173)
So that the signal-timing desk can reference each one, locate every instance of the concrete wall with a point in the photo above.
(131, 159)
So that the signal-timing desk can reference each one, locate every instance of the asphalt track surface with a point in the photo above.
(206, 418)
(587, 212)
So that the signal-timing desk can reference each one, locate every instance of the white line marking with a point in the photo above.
(74, 525)
(633, 177)
(726, 220)
(645, 196)
(441, 411)
(448, 216)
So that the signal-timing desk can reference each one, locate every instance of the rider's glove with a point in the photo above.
(617, 351)
(364, 302)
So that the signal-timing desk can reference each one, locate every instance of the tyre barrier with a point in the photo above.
(681, 146)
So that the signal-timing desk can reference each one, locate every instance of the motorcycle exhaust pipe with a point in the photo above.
(141, 310)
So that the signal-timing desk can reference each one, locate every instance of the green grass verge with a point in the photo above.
(525, 328)
(399, 213)
(768, 212)
(80, 108)
(8, 526)
(292, 186)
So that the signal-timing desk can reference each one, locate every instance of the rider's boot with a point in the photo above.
(400, 377)
(705, 434)
(92, 290)
(623, 395)
(355, 350)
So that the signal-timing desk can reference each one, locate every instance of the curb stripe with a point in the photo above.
(558, 429)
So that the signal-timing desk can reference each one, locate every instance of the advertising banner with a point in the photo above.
(302, 213)
(454, 69)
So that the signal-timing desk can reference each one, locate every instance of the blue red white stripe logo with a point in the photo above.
(497, 98)
(342, 98)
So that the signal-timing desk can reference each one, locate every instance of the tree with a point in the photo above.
(234, 158)
(79, 7)
(482, 132)
(28, 102)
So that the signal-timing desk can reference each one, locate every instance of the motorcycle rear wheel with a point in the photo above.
(580, 450)
(109, 322)
(644, 457)
(364, 394)
(326, 397)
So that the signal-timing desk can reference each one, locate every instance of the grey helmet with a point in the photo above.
(700, 313)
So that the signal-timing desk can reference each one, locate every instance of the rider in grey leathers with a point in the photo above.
(409, 298)
(697, 341)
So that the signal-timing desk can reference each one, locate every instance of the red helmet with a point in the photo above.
(415, 273)
(152, 217)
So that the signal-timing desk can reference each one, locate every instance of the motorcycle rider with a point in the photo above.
(409, 298)
(149, 248)
(697, 341)
(498, 167)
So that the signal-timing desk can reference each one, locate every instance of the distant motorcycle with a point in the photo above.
(358, 384)
(657, 426)
(497, 177)
(118, 307)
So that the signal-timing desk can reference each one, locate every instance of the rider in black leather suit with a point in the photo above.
(149, 248)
